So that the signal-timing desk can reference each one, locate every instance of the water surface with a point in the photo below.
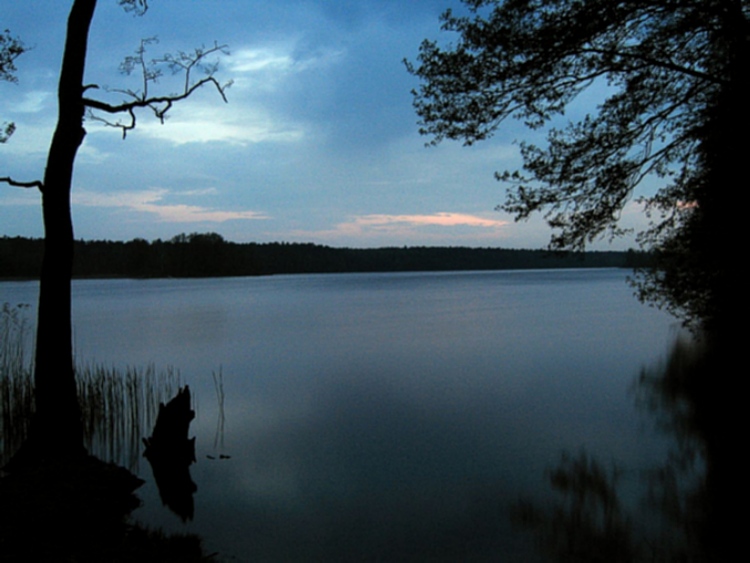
(383, 417)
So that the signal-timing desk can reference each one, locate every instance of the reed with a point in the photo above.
(118, 406)
(220, 420)
(16, 383)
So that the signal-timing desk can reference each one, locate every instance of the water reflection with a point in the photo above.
(376, 475)
(389, 418)
(589, 524)
(680, 516)
(696, 487)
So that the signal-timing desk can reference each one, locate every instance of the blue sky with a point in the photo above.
(318, 141)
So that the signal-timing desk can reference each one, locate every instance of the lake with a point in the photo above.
(383, 417)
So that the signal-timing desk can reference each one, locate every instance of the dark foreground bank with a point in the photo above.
(77, 510)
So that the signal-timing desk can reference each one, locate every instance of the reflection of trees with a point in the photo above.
(589, 524)
(690, 402)
(683, 519)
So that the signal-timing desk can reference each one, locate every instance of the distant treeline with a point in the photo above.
(205, 255)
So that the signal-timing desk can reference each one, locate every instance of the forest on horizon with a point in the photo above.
(210, 255)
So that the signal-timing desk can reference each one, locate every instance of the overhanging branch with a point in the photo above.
(156, 100)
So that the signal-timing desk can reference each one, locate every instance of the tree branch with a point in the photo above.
(12, 182)
(150, 71)
(652, 62)
(151, 102)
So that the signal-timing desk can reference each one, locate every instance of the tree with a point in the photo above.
(672, 77)
(10, 49)
(56, 428)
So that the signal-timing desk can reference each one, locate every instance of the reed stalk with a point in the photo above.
(220, 420)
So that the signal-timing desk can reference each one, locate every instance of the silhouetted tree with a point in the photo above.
(673, 84)
(56, 428)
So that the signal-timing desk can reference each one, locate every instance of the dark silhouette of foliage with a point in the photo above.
(10, 49)
(673, 77)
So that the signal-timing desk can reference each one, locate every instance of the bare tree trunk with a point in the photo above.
(57, 425)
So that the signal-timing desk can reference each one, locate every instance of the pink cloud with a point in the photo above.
(442, 219)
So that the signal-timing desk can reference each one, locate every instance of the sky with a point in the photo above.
(318, 141)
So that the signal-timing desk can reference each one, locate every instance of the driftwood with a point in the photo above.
(170, 453)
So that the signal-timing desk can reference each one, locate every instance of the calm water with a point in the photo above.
(383, 417)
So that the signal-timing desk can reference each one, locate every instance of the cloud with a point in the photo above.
(152, 201)
(442, 219)
(274, 63)
(250, 60)
(242, 131)
(33, 102)
(205, 118)
(15, 196)
(435, 228)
